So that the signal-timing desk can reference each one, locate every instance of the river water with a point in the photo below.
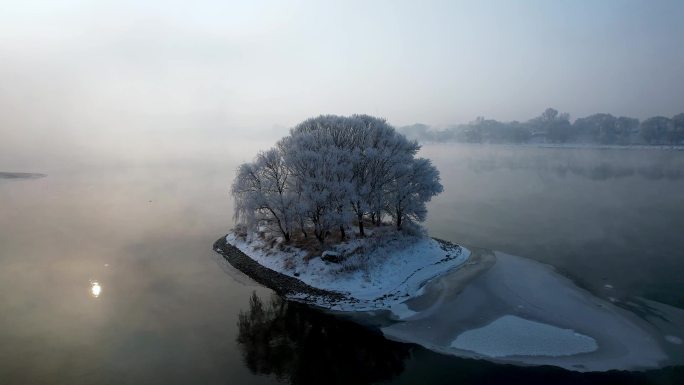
(107, 273)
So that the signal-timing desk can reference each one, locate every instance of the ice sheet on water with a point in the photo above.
(514, 336)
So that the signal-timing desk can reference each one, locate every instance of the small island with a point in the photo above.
(331, 216)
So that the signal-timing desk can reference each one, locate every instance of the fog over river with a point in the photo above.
(107, 272)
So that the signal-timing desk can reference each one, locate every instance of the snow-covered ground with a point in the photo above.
(379, 275)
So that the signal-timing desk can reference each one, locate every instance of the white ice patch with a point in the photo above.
(402, 311)
(673, 339)
(515, 336)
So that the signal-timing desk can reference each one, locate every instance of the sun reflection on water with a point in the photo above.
(95, 289)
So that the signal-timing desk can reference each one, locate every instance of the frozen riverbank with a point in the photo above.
(521, 311)
(391, 274)
(483, 304)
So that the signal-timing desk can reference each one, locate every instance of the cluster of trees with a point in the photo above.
(554, 127)
(332, 172)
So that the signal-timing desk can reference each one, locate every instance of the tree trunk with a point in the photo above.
(287, 237)
(342, 233)
(319, 236)
(301, 228)
(399, 220)
(361, 233)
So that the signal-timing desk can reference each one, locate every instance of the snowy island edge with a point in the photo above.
(237, 254)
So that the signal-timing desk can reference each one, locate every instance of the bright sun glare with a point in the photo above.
(95, 289)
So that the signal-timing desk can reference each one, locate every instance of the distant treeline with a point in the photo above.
(554, 127)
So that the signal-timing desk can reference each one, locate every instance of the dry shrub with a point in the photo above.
(352, 265)
(289, 263)
(240, 231)
(309, 244)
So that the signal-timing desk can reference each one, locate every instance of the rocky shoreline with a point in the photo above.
(280, 283)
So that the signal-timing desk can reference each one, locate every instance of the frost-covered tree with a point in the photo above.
(654, 130)
(556, 126)
(382, 149)
(414, 184)
(263, 195)
(321, 171)
(332, 172)
(676, 133)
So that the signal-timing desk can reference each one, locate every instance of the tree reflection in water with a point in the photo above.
(304, 346)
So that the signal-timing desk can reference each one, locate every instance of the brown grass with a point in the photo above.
(310, 244)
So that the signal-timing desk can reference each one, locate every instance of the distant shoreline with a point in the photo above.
(20, 175)
(564, 146)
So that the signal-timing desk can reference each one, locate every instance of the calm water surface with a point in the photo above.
(107, 274)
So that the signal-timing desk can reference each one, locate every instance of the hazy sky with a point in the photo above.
(112, 69)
